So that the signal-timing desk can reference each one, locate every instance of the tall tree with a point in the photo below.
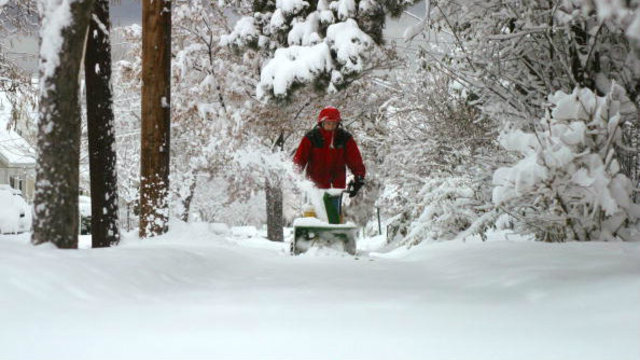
(155, 130)
(100, 121)
(62, 36)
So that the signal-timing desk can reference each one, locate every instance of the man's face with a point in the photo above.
(329, 125)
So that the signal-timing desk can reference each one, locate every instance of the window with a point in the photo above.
(16, 183)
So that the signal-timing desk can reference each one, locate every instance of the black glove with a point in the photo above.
(355, 185)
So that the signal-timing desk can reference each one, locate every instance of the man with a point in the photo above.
(327, 150)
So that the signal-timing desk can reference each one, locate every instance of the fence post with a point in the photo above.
(379, 225)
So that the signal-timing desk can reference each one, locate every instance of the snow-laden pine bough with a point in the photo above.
(322, 224)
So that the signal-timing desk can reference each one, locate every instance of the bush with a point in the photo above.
(567, 184)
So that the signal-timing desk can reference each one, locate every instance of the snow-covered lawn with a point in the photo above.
(203, 292)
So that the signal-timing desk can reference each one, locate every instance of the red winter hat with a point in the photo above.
(329, 114)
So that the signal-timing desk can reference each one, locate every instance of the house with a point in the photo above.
(17, 163)
(17, 156)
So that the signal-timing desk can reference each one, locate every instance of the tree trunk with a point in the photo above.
(155, 130)
(273, 189)
(275, 220)
(100, 124)
(187, 201)
(56, 195)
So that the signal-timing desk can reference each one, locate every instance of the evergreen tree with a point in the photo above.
(322, 44)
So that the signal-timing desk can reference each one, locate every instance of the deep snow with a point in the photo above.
(203, 292)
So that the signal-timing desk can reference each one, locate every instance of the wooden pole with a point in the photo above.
(155, 128)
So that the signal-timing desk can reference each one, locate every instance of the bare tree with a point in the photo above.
(56, 197)
(100, 120)
(155, 130)
(17, 19)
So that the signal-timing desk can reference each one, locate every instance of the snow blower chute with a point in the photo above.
(317, 231)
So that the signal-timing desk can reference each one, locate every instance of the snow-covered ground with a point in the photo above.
(208, 292)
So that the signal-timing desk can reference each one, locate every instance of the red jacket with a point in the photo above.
(326, 154)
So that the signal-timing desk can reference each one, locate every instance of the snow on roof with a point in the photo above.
(14, 149)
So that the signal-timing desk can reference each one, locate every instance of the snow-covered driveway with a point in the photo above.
(194, 294)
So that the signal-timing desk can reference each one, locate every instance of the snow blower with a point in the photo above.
(322, 226)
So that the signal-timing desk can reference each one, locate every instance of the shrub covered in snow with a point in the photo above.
(434, 154)
(447, 207)
(567, 184)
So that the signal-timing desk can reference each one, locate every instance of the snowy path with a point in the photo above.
(193, 294)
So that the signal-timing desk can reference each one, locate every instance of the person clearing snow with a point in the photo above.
(327, 150)
(324, 154)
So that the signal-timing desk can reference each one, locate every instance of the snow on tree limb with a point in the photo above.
(568, 184)
(293, 65)
(56, 15)
(625, 13)
(290, 34)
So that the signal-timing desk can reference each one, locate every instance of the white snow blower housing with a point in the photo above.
(322, 225)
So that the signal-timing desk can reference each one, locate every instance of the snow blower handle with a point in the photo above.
(354, 186)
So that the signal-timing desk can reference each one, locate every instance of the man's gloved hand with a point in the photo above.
(355, 185)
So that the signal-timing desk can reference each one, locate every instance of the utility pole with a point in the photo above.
(155, 128)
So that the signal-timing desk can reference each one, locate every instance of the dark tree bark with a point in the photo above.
(273, 190)
(155, 130)
(187, 201)
(275, 220)
(56, 196)
(100, 123)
